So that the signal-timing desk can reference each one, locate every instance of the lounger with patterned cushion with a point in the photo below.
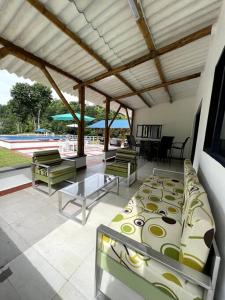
(160, 242)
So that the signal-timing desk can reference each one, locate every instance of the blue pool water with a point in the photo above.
(30, 137)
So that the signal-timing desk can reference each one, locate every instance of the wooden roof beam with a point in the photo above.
(58, 23)
(145, 31)
(3, 52)
(166, 49)
(160, 85)
(28, 57)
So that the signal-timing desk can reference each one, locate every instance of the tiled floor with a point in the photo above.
(44, 255)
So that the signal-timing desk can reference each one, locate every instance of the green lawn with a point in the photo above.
(10, 158)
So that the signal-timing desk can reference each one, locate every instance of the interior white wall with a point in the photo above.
(211, 173)
(177, 119)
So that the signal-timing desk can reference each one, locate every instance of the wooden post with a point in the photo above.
(128, 119)
(132, 122)
(106, 134)
(80, 150)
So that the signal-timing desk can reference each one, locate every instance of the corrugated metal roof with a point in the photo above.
(110, 30)
(171, 19)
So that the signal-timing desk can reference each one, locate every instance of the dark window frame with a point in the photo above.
(216, 113)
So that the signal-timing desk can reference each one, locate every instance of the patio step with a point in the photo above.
(14, 183)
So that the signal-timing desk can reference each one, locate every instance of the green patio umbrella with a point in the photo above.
(69, 117)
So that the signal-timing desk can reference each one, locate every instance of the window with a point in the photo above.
(149, 131)
(215, 132)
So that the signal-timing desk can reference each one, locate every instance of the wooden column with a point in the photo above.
(132, 122)
(80, 150)
(106, 133)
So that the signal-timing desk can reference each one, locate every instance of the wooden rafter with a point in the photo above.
(132, 89)
(29, 57)
(60, 94)
(3, 52)
(166, 49)
(161, 85)
(144, 29)
(57, 22)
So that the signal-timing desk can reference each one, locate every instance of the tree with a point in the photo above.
(29, 101)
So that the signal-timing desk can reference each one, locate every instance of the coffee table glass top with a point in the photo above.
(88, 186)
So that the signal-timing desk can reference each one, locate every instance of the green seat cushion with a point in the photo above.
(55, 170)
(160, 233)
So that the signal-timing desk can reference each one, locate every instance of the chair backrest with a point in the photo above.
(198, 223)
(126, 155)
(166, 142)
(132, 140)
(185, 142)
(129, 141)
(48, 157)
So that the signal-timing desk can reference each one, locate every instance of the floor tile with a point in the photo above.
(69, 292)
(66, 247)
(33, 277)
(7, 291)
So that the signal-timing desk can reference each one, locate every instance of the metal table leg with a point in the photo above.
(84, 211)
(118, 185)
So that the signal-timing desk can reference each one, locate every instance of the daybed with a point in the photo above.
(162, 243)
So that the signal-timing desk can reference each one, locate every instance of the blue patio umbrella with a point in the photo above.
(117, 124)
(42, 130)
(69, 117)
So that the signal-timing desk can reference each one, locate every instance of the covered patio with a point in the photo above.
(152, 62)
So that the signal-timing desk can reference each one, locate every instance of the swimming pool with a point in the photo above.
(30, 137)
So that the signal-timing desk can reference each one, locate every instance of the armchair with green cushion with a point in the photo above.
(124, 165)
(49, 167)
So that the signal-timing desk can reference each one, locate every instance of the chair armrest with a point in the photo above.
(69, 159)
(177, 143)
(33, 164)
(185, 272)
(166, 171)
(40, 165)
(109, 159)
(71, 162)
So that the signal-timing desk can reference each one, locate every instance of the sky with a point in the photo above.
(7, 81)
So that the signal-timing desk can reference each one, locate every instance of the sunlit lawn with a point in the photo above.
(11, 158)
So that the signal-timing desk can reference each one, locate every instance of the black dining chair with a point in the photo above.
(131, 142)
(162, 149)
(180, 147)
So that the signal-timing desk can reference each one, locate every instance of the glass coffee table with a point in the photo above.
(83, 190)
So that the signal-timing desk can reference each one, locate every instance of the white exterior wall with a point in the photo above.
(212, 174)
(177, 119)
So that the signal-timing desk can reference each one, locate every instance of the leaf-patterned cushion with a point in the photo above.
(198, 230)
(160, 233)
(168, 184)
